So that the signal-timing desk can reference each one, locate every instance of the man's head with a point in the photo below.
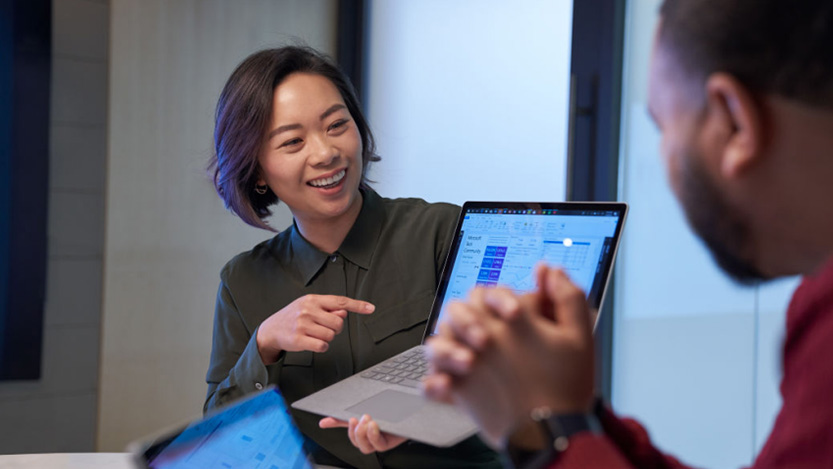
(730, 80)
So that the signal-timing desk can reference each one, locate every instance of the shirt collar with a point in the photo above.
(360, 243)
(357, 247)
(308, 258)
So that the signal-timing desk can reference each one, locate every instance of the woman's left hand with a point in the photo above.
(364, 433)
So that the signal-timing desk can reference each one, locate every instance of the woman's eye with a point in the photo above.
(289, 143)
(338, 124)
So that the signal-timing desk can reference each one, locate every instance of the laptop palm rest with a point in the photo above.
(389, 405)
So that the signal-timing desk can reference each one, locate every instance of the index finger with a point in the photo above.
(570, 304)
(336, 302)
(503, 301)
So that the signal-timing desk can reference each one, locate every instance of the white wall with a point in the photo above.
(468, 99)
(168, 234)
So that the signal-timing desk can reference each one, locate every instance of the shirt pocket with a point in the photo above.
(404, 316)
(296, 376)
(298, 358)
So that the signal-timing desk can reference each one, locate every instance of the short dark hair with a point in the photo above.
(771, 46)
(244, 112)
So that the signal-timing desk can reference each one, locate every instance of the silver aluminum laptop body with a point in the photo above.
(495, 243)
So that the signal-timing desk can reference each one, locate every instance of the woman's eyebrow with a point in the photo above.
(283, 128)
(332, 109)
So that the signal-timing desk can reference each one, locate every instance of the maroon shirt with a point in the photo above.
(802, 436)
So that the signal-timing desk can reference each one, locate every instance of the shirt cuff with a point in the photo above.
(250, 374)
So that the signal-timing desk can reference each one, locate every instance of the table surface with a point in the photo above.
(73, 461)
(67, 461)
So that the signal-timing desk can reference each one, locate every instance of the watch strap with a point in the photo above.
(561, 427)
(557, 428)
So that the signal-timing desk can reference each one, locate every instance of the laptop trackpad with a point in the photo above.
(389, 405)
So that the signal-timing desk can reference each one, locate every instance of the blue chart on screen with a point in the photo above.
(501, 249)
(256, 433)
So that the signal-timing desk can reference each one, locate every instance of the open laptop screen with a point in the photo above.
(501, 243)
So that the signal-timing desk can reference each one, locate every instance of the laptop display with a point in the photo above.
(501, 243)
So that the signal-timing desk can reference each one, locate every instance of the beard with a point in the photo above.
(720, 227)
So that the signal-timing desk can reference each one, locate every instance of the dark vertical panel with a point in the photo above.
(596, 68)
(6, 57)
(25, 184)
(350, 35)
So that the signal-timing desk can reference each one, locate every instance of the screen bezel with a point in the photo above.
(621, 209)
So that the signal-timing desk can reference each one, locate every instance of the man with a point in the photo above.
(742, 91)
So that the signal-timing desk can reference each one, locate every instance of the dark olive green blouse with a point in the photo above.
(392, 257)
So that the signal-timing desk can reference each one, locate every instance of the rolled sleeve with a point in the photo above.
(235, 368)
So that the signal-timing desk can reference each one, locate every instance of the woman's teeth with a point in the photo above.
(324, 182)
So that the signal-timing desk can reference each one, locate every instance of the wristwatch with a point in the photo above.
(555, 430)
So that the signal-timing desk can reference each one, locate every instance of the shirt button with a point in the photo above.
(258, 386)
(334, 258)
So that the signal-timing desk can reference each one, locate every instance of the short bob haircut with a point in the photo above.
(244, 112)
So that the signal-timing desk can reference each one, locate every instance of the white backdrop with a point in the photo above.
(468, 99)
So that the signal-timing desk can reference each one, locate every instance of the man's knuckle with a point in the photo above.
(498, 329)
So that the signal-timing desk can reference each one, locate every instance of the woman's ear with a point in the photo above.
(733, 107)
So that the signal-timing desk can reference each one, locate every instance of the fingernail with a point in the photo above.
(369, 307)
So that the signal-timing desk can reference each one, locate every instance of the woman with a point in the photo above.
(349, 284)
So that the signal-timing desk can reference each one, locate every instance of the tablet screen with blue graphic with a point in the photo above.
(256, 432)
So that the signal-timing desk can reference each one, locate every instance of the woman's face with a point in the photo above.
(312, 156)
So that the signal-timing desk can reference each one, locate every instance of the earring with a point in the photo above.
(261, 189)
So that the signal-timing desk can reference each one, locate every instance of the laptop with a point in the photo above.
(495, 243)
(253, 432)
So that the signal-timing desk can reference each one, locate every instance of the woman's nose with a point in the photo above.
(322, 151)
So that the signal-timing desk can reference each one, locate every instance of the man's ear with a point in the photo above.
(736, 109)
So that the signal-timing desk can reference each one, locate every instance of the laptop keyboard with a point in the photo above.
(406, 369)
